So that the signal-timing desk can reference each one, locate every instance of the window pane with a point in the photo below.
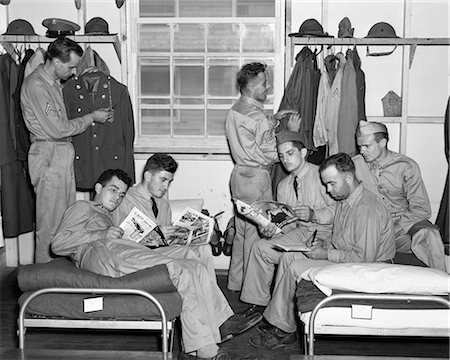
(189, 78)
(255, 8)
(154, 102)
(154, 37)
(205, 8)
(189, 122)
(216, 122)
(223, 37)
(258, 38)
(156, 8)
(155, 122)
(189, 37)
(155, 79)
(222, 80)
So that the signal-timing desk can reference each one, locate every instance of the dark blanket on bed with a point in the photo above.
(308, 296)
(61, 272)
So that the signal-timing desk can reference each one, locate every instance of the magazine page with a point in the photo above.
(136, 225)
(278, 213)
(266, 212)
(192, 228)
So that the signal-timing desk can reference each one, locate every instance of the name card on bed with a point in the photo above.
(93, 304)
(361, 312)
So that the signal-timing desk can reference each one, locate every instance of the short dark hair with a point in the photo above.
(107, 175)
(161, 162)
(61, 49)
(247, 73)
(343, 163)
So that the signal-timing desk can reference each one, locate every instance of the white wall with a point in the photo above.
(207, 176)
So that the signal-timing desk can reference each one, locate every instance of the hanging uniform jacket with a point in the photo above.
(17, 200)
(348, 109)
(101, 146)
(360, 86)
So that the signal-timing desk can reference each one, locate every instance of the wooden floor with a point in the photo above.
(81, 344)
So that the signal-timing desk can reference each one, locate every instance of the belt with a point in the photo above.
(262, 167)
(63, 140)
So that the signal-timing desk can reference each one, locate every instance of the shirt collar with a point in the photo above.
(143, 191)
(303, 172)
(383, 162)
(47, 77)
(354, 196)
(252, 101)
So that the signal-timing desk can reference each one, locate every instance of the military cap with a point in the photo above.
(19, 27)
(382, 30)
(310, 27)
(59, 27)
(285, 136)
(345, 28)
(369, 128)
(96, 26)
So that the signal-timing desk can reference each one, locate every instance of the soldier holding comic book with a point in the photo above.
(88, 236)
(147, 196)
(314, 209)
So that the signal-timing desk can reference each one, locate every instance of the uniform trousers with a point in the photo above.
(204, 307)
(52, 175)
(263, 258)
(281, 309)
(426, 244)
(248, 184)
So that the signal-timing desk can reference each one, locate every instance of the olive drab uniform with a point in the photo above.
(251, 137)
(101, 146)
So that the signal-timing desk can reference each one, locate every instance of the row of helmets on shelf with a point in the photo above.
(312, 28)
(59, 27)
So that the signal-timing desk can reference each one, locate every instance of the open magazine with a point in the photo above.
(265, 212)
(298, 247)
(136, 226)
(192, 228)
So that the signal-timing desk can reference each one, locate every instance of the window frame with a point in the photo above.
(216, 144)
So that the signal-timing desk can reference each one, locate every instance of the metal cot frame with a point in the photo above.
(330, 329)
(164, 325)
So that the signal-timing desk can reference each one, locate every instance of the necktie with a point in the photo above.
(154, 207)
(296, 187)
(155, 212)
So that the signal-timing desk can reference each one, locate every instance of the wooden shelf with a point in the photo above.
(7, 40)
(370, 41)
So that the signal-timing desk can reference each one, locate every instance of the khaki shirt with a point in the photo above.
(44, 111)
(311, 192)
(396, 179)
(251, 134)
(363, 230)
(137, 196)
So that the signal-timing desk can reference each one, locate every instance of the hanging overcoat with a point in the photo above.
(101, 146)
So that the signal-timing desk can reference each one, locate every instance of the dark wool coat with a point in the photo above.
(101, 146)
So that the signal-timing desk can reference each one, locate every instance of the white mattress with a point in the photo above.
(379, 318)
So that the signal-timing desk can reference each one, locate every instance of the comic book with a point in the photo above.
(137, 225)
(265, 211)
(192, 228)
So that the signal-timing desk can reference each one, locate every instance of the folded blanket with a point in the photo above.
(61, 272)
